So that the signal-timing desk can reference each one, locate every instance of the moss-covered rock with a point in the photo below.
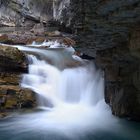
(12, 53)
(14, 97)
(12, 59)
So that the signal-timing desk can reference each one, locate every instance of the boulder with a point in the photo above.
(12, 59)
(14, 97)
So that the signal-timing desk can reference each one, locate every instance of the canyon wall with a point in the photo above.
(109, 30)
(25, 12)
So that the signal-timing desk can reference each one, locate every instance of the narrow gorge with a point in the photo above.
(70, 69)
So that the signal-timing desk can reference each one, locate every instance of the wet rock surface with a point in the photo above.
(37, 35)
(12, 97)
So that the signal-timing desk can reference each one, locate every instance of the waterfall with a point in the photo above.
(72, 97)
(82, 85)
(70, 94)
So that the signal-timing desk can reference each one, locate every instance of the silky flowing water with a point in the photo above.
(70, 96)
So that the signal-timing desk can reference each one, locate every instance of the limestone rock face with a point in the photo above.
(25, 12)
(109, 30)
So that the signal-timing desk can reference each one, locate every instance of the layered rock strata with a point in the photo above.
(12, 65)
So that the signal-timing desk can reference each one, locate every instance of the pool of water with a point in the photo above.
(13, 128)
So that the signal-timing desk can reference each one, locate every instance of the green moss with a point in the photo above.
(12, 53)
(10, 103)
